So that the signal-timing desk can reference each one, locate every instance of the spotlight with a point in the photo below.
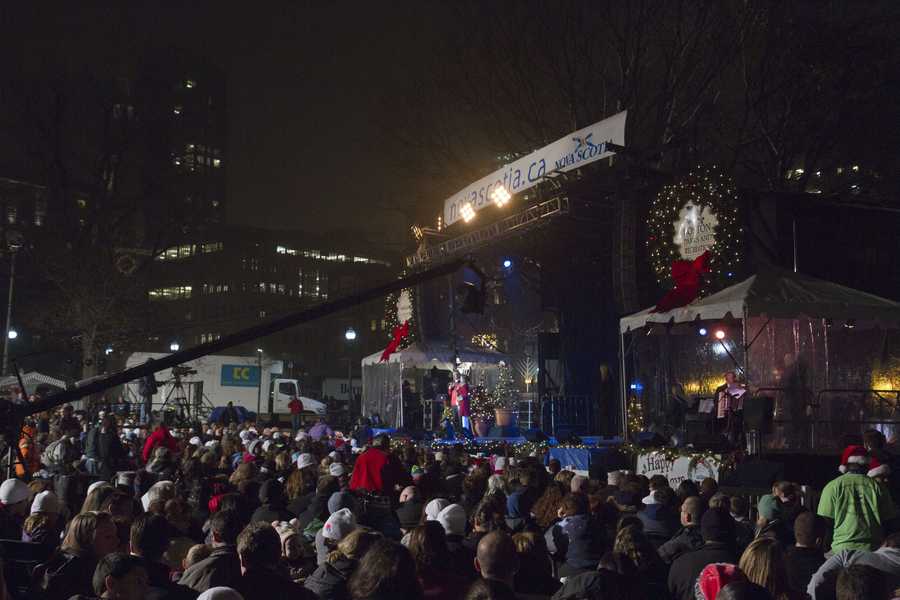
(13, 334)
(500, 195)
(720, 334)
(507, 263)
(637, 386)
(174, 346)
(467, 212)
(702, 331)
(350, 334)
(850, 324)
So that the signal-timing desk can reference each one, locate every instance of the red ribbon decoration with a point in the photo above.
(400, 332)
(686, 274)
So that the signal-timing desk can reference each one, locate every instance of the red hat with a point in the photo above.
(853, 455)
(877, 468)
(714, 577)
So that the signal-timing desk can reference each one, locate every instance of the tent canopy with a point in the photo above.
(32, 381)
(425, 356)
(778, 294)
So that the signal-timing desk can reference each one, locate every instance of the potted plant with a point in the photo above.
(506, 398)
(481, 406)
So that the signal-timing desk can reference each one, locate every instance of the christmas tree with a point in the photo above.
(505, 394)
(481, 403)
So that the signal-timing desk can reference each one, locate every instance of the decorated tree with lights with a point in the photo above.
(505, 393)
(482, 403)
(697, 213)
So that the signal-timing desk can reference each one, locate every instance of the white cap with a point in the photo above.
(301, 435)
(211, 443)
(45, 502)
(333, 455)
(13, 491)
(195, 441)
(339, 525)
(434, 508)
(220, 593)
(336, 469)
(305, 460)
(453, 519)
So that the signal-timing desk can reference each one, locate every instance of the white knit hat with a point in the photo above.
(453, 519)
(433, 508)
(305, 460)
(220, 593)
(161, 490)
(339, 525)
(13, 491)
(195, 441)
(301, 435)
(336, 469)
(45, 502)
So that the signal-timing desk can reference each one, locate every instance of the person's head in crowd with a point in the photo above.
(226, 526)
(496, 558)
(720, 500)
(97, 497)
(91, 534)
(739, 507)
(860, 582)
(809, 530)
(382, 442)
(47, 506)
(15, 497)
(565, 478)
(579, 485)
(785, 491)
(629, 520)
(546, 508)
(150, 536)
(743, 590)
(616, 562)
(453, 519)
(686, 489)
(428, 546)
(119, 504)
(291, 541)
(195, 554)
(490, 589)
(874, 440)
(271, 493)
(338, 526)
(632, 542)
(488, 516)
(691, 511)
(120, 576)
(554, 466)
(573, 505)
(714, 577)
(386, 570)
(327, 486)
(354, 545)
(708, 487)
(763, 564)
(258, 547)
(717, 526)
(628, 500)
(658, 482)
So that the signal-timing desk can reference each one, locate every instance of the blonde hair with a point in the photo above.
(80, 535)
(763, 564)
(354, 545)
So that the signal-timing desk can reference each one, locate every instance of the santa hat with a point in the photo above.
(853, 455)
(877, 468)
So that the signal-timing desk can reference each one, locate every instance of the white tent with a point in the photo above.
(778, 294)
(32, 381)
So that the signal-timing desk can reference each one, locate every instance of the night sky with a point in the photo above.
(312, 96)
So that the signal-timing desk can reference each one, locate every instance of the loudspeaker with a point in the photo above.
(758, 413)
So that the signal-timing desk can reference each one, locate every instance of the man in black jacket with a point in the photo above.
(717, 528)
(259, 548)
(103, 448)
(222, 568)
(271, 496)
(688, 537)
(150, 537)
(804, 558)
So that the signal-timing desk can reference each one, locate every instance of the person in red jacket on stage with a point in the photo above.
(378, 471)
(159, 437)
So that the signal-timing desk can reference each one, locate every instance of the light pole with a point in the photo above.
(259, 353)
(350, 336)
(14, 241)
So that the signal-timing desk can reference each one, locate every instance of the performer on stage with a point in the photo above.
(459, 398)
(730, 398)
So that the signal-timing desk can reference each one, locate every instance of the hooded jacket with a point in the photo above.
(329, 581)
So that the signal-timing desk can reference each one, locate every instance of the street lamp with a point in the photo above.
(174, 347)
(259, 354)
(350, 336)
(12, 334)
(14, 241)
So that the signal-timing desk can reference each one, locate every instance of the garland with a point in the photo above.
(726, 460)
(709, 190)
(390, 315)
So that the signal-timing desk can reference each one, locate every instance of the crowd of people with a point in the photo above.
(103, 510)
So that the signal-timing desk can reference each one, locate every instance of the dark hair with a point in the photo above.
(860, 583)
(874, 439)
(808, 527)
(708, 487)
(686, 489)
(258, 545)
(386, 571)
(328, 485)
(743, 590)
(574, 504)
(116, 565)
(227, 526)
(428, 546)
(739, 506)
(659, 482)
(617, 562)
(150, 536)
(490, 589)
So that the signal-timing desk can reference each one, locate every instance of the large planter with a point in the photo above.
(504, 417)
(482, 426)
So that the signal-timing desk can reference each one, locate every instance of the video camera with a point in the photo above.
(182, 371)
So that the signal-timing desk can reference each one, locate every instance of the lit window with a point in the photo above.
(262, 314)
(181, 292)
(217, 163)
(189, 83)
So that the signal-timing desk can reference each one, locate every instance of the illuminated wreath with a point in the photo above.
(697, 213)
(392, 320)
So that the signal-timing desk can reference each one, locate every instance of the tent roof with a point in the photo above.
(33, 378)
(778, 294)
(439, 354)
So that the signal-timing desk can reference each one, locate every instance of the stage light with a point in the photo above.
(720, 334)
(259, 351)
(850, 324)
(467, 212)
(702, 331)
(174, 347)
(507, 263)
(500, 196)
(637, 386)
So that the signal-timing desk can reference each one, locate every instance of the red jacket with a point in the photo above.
(378, 471)
(160, 437)
(296, 406)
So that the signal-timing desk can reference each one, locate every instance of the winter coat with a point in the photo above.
(577, 542)
(329, 581)
(687, 567)
(686, 540)
(64, 575)
(298, 505)
(377, 471)
(268, 583)
(660, 523)
(221, 568)
(160, 437)
(887, 560)
(271, 512)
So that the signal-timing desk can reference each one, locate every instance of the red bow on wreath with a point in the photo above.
(686, 274)
(400, 332)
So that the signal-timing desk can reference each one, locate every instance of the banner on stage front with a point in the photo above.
(577, 149)
(696, 468)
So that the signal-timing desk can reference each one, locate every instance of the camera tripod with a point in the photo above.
(179, 401)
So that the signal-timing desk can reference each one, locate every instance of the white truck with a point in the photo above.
(246, 381)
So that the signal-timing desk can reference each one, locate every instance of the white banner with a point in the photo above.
(696, 468)
(571, 152)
